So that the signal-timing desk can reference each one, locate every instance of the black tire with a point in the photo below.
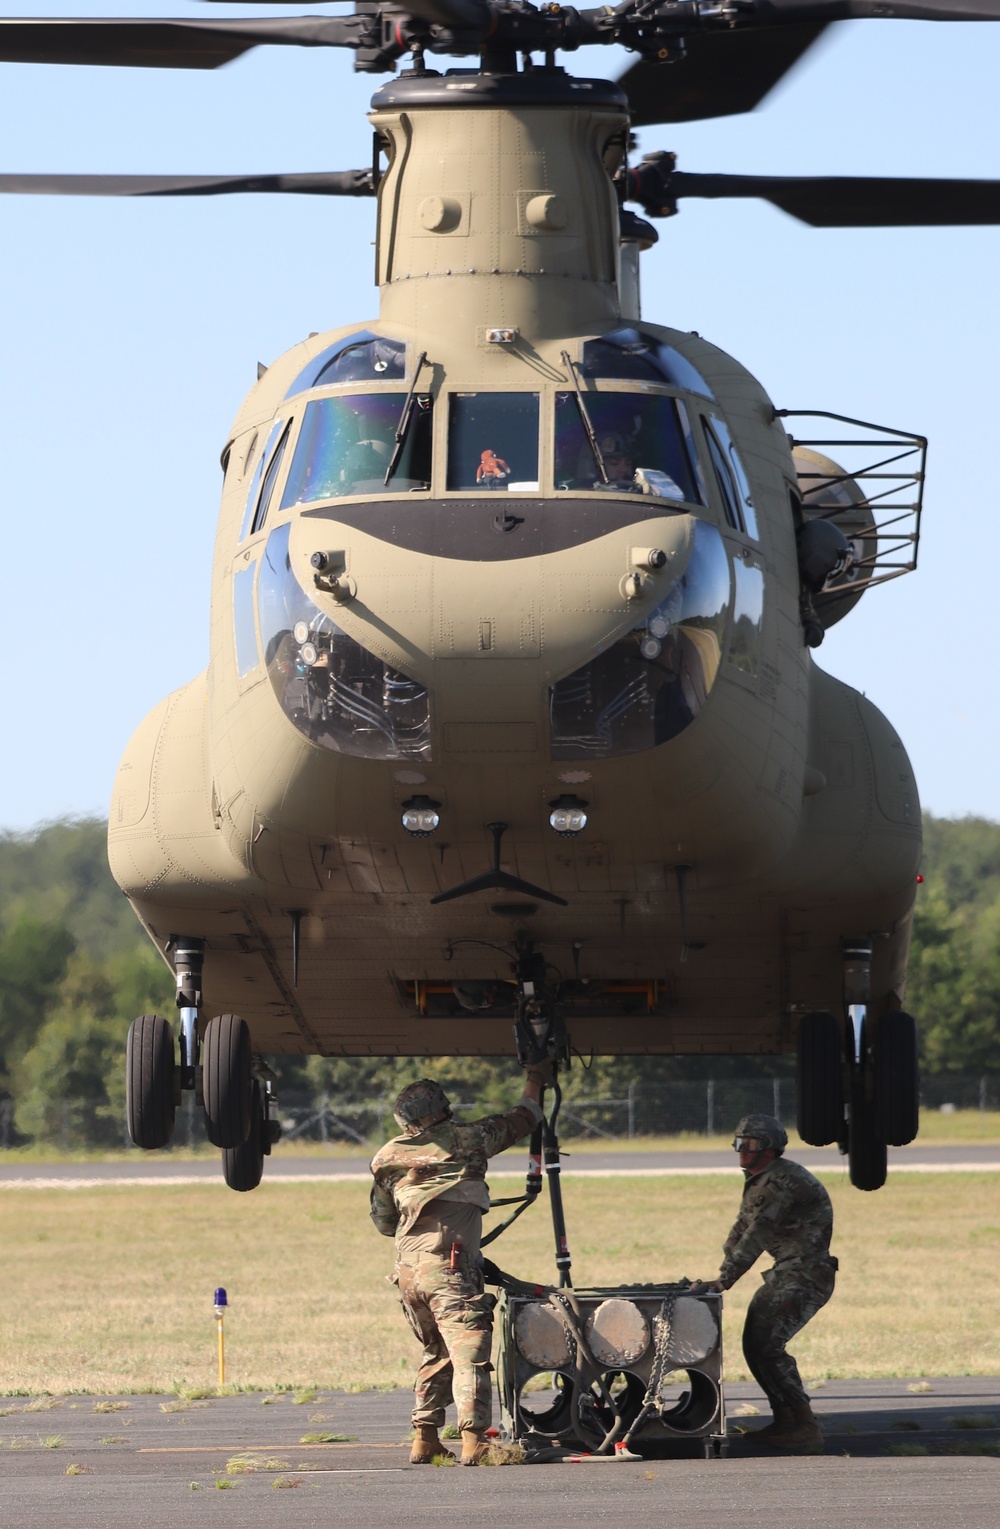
(243, 1166)
(149, 1081)
(866, 1154)
(819, 1079)
(897, 1079)
(226, 1080)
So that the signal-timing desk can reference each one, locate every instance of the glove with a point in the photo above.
(703, 1287)
(542, 1073)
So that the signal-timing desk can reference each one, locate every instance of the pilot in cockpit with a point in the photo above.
(619, 463)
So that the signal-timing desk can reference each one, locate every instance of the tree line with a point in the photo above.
(76, 968)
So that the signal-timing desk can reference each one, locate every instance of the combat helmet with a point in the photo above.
(765, 1129)
(421, 1103)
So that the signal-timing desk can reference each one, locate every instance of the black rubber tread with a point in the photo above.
(149, 1081)
(819, 1079)
(243, 1166)
(897, 1079)
(866, 1154)
(226, 1080)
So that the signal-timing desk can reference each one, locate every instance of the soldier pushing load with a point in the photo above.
(430, 1194)
(786, 1212)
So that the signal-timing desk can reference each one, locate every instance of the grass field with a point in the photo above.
(110, 1290)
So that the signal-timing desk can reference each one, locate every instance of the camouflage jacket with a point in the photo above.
(785, 1212)
(412, 1170)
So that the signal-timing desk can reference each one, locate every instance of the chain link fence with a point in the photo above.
(710, 1107)
(706, 1108)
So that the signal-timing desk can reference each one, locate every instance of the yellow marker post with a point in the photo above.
(220, 1316)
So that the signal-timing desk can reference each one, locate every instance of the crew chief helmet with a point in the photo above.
(421, 1104)
(764, 1129)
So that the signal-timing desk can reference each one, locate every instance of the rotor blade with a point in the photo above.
(720, 75)
(164, 44)
(842, 201)
(768, 12)
(325, 183)
(461, 14)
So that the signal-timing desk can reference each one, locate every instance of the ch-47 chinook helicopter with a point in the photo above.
(512, 710)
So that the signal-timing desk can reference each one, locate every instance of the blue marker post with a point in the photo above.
(220, 1314)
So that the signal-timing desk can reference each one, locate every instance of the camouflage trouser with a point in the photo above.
(782, 1306)
(453, 1318)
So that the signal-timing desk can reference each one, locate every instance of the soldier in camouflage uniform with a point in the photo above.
(786, 1212)
(430, 1194)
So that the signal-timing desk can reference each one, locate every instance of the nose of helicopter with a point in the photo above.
(547, 611)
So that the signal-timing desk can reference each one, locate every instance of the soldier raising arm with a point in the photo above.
(430, 1194)
(786, 1212)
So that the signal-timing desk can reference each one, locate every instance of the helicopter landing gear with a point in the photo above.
(218, 1067)
(243, 1166)
(227, 1080)
(235, 1088)
(866, 1154)
(896, 1098)
(819, 1070)
(151, 1082)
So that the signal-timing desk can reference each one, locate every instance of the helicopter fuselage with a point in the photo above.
(505, 548)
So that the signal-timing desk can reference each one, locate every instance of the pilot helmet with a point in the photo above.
(421, 1104)
(765, 1129)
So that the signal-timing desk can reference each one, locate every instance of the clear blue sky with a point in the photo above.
(131, 329)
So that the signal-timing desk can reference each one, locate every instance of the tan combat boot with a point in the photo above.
(800, 1433)
(427, 1447)
(474, 1446)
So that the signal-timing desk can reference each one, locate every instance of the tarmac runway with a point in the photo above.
(895, 1458)
(136, 1167)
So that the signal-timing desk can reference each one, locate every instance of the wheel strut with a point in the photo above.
(189, 956)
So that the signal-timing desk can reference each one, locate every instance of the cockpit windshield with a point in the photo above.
(346, 444)
(640, 440)
(493, 441)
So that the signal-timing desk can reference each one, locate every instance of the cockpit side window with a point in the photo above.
(493, 442)
(270, 478)
(640, 439)
(734, 484)
(724, 478)
(346, 446)
(275, 434)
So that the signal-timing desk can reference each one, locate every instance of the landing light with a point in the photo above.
(420, 816)
(568, 816)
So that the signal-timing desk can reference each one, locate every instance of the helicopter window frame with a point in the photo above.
(270, 480)
(313, 370)
(731, 476)
(687, 438)
(246, 642)
(394, 388)
(444, 405)
(276, 433)
(652, 351)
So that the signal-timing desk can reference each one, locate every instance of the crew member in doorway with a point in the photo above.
(786, 1212)
(430, 1194)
